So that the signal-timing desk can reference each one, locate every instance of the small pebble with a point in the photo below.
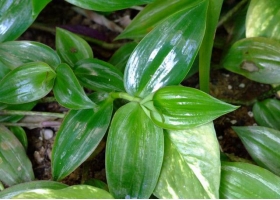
(226, 75)
(38, 158)
(229, 87)
(220, 137)
(233, 121)
(242, 85)
(47, 134)
(250, 113)
(255, 124)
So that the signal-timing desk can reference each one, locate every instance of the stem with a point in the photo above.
(123, 95)
(229, 14)
(105, 45)
(36, 125)
(31, 113)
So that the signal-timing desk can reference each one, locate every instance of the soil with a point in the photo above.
(224, 85)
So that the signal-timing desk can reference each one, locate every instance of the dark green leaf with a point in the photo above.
(4, 70)
(153, 14)
(78, 136)
(191, 165)
(68, 91)
(262, 144)
(166, 54)
(267, 113)
(38, 6)
(15, 166)
(182, 107)
(27, 83)
(107, 5)
(247, 181)
(134, 153)
(97, 183)
(71, 48)
(99, 75)
(263, 19)
(16, 53)
(255, 58)
(19, 188)
(72, 192)
(19, 132)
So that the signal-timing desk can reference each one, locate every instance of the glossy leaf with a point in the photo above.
(191, 165)
(107, 5)
(71, 48)
(267, 113)
(99, 75)
(16, 53)
(27, 83)
(179, 107)
(134, 153)
(15, 166)
(72, 192)
(67, 90)
(38, 6)
(78, 136)
(19, 188)
(121, 56)
(152, 15)
(247, 181)
(19, 132)
(4, 70)
(262, 144)
(166, 54)
(255, 58)
(263, 19)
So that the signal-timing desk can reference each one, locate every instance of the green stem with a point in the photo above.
(31, 113)
(33, 125)
(105, 45)
(229, 14)
(123, 95)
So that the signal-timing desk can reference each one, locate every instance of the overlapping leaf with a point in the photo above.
(68, 91)
(3, 70)
(37, 6)
(166, 54)
(191, 165)
(176, 107)
(16, 53)
(247, 181)
(99, 75)
(71, 48)
(19, 132)
(267, 113)
(255, 58)
(15, 167)
(107, 5)
(27, 83)
(262, 144)
(79, 135)
(134, 153)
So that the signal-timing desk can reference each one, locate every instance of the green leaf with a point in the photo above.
(15, 167)
(134, 153)
(99, 75)
(121, 56)
(153, 14)
(67, 90)
(4, 70)
(72, 192)
(27, 83)
(107, 5)
(247, 181)
(97, 183)
(256, 59)
(78, 136)
(38, 6)
(191, 165)
(263, 19)
(16, 53)
(19, 188)
(267, 113)
(180, 107)
(166, 54)
(262, 144)
(19, 132)
(71, 48)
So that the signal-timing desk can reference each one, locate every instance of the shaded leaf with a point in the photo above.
(97, 183)
(166, 54)
(134, 153)
(191, 165)
(3, 70)
(99, 75)
(71, 48)
(27, 83)
(15, 166)
(38, 6)
(19, 132)
(256, 59)
(262, 144)
(68, 91)
(247, 181)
